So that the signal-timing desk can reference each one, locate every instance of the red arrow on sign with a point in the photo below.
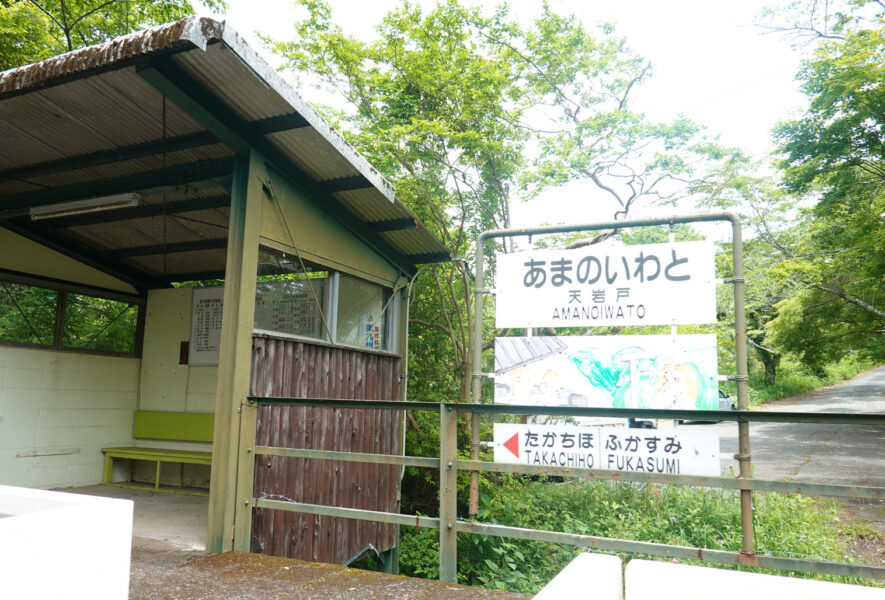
(513, 444)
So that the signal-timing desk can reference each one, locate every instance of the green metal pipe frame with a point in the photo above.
(743, 455)
(449, 525)
(638, 413)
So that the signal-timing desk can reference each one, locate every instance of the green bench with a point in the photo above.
(158, 425)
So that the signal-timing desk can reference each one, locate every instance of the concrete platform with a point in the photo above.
(169, 562)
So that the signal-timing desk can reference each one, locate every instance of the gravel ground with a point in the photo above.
(161, 571)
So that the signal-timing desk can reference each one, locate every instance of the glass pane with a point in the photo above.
(288, 298)
(100, 324)
(360, 320)
(27, 313)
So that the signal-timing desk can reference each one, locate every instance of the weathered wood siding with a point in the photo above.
(289, 368)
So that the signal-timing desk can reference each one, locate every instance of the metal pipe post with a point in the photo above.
(476, 369)
(745, 469)
(448, 493)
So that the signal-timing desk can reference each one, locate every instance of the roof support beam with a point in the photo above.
(19, 204)
(346, 184)
(422, 259)
(170, 79)
(173, 144)
(192, 246)
(101, 261)
(70, 286)
(394, 224)
(142, 212)
(168, 280)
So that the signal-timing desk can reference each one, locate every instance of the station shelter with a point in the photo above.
(179, 230)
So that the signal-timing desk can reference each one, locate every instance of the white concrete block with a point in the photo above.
(58, 545)
(652, 580)
(596, 576)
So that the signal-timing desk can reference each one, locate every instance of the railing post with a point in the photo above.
(448, 493)
(245, 479)
(740, 332)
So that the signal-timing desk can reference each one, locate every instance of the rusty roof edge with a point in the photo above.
(273, 79)
(196, 31)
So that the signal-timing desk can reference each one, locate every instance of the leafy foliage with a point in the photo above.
(706, 518)
(27, 313)
(834, 153)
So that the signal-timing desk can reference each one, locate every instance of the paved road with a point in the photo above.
(839, 454)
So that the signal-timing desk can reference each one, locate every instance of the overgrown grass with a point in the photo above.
(793, 378)
(788, 525)
(785, 525)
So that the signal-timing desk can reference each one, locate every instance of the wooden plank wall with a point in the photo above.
(290, 368)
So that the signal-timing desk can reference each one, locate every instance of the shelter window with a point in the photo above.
(361, 316)
(290, 296)
(27, 314)
(55, 314)
(100, 324)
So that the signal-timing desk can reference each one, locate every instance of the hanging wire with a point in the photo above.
(109, 323)
(269, 189)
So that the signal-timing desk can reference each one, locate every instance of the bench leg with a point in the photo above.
(108, 469)
(157, 481)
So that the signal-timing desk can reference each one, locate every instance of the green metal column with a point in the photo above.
(740, 333)
(235, 361)
(448, 493)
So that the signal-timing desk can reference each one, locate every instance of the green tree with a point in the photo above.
(834, 159)
(461, 111)
(33, 31)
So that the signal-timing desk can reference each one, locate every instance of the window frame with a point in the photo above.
(63, 288)
(330, 311)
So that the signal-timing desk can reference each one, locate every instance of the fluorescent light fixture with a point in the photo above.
(82, 207)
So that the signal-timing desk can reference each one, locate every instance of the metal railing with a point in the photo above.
(449, 524)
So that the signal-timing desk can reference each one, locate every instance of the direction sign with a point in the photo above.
(671, 451)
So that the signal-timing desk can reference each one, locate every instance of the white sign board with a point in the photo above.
(670, 451)
(621, 371)
(205, 342)
(651, 284)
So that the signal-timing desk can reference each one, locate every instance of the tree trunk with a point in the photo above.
(770, 361)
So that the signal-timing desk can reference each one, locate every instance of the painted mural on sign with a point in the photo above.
(636, 371)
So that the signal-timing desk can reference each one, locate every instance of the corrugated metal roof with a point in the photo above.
(511, 353)
(87, 117)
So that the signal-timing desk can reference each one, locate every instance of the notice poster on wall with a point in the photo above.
(623, 371)
(290, 307)
(649, 284)
(205, 342)
(669, 451)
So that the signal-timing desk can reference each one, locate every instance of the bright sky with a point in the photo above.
(710, 63)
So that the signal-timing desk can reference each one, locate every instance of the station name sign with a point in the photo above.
(650, 284)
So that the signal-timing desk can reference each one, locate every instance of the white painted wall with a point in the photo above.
(57, 410)
(168, 386)
(56, 545)
(165, 384)
(23, 255)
